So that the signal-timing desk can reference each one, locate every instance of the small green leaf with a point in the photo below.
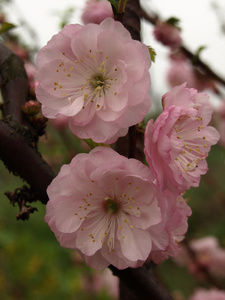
(173, 21)
(199, 50)
(195, 58)
(114, 3)
(6, 26)
(152, 53)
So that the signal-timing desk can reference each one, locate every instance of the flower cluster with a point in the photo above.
(177, 144)
(112, 209)
(102, 86)
(108, 208)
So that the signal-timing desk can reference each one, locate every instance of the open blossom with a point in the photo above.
(95, 11)
(177, 144)
(175, 216)
(168, 35)
(98, 77)
(105, 206)
(212, 294)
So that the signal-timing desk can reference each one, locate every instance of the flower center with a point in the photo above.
(189, 132)
(111, 206)
(98, 81)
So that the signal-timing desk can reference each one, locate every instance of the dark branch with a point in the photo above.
(141, 282)
(14, 84)
(24, 160)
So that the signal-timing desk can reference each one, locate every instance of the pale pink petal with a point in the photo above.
(116, 27)
(130, 240)
(96, 261)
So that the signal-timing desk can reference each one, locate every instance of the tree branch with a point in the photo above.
(14, 84)
(154, 19)
(141, 282)
(21, 158)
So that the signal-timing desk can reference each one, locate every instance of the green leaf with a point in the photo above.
(152, 53)
(114, 3)
(195, 58)
(173, 21)
(199, 50)
(6, 26)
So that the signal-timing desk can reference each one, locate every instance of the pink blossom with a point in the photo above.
(98, 77)
(168, 35)
(95, 11)
(177, 144)
(175, 216)
(212, 294)
(105, 206)
(182, 71)
(209, 255)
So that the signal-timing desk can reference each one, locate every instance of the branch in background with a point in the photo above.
(154, 19)
(14, 84)
(141, 282)
(17, 138)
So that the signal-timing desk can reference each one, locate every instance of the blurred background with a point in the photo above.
(32, 264)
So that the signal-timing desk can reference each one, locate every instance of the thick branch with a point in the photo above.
(14, 84)
(24, 160)
(141, 282)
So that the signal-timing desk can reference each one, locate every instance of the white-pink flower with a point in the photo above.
(212, 294)
(95, 11)
(182, 71)
(177, 144)
(98, 77)
(209, 255)
(104, 205)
